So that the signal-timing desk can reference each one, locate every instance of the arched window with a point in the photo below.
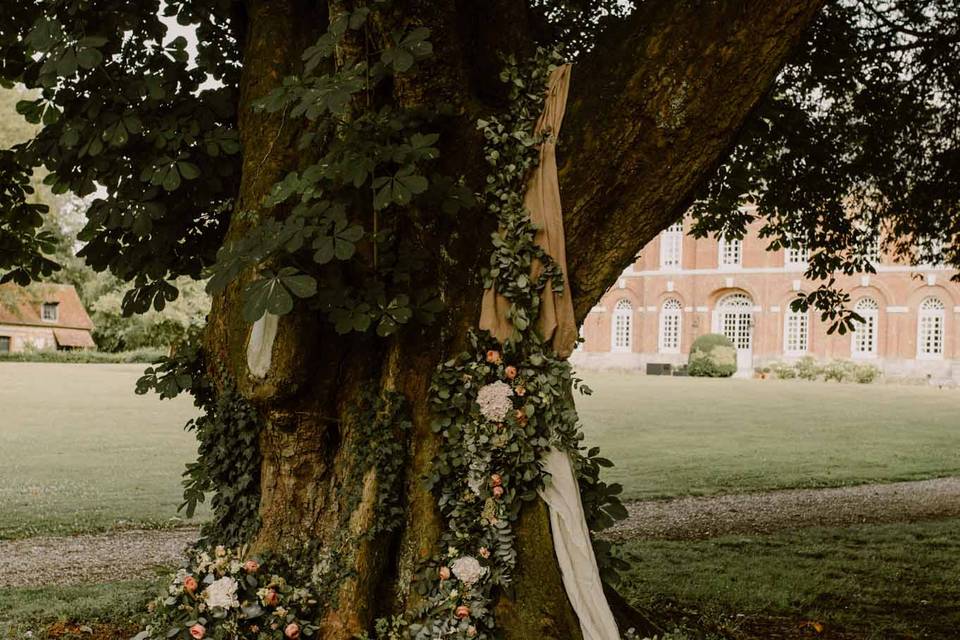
(671, 247)
(735, 320)
(670, 326)
(864, 338)
(930, 329)
(731, 252)
(622, 330)
(796, 332)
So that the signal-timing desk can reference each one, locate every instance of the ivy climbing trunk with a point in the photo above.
(314, 403)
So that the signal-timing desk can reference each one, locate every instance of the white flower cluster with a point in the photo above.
(222, 594)
(494, 400)
(467, 569)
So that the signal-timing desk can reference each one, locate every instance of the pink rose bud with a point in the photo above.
(463, 611)
(484, 553)
(493, 356)
(251, 566)
(496, 480)
(471, 631)
(497, 492)
(511, 372)
(197, 631)
(444, 573)
(189, 584)
(292, 631)
(271, 599)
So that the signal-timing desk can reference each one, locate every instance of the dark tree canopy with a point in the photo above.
(856, 145)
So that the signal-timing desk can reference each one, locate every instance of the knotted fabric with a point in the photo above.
(542, 201)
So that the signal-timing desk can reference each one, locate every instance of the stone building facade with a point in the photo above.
(682, 287)
(43, 316)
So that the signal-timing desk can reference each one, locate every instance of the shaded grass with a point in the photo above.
(80, 452)
(145, 355)
(692, 436)
(120, 604)
(884, 581)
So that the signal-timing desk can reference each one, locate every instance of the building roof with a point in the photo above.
(22, 306)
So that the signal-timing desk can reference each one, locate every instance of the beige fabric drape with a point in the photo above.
(542, 201)
(571, 537)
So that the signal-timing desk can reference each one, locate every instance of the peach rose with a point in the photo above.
(484, 552)
(493, 356)
(511, 372)
(444, 573)
(292, 631)
(271, 599)
(521, 416)
(496, 480)
(251, 566)
(463, 611)
(190, 584)
(497, 492)
(197, 631)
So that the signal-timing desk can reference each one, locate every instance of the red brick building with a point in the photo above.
(43, 316)
(682, 287)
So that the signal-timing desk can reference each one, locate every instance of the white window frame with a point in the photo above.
(56, 311)
(796, 330)
(622, 316)
(739, 305)
(728, 249)
(872, 252)
(670, 330)
(931, 324)
(796, 256)
(869, 309)
(671, 247)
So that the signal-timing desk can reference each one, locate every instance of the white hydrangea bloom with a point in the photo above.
(494, 401)
(467, 569)
(222, 593)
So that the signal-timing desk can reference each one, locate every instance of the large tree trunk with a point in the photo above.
(311, 401)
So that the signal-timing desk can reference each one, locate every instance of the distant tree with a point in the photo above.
(319, 161)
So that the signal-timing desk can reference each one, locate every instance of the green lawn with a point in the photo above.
(695, 436)
(882, 581)
(24, 611)
(79, 451)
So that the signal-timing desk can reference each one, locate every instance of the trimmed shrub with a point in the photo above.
(783, 371)
(865, 373)
(839, 370)
(807, 368)
(712, 356)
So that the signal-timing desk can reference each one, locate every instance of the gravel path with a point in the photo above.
(133, 554)
(107, 557)
(698, 518)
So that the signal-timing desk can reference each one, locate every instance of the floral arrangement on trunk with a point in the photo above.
(224, 594)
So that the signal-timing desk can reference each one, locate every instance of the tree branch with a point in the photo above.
(653, 111)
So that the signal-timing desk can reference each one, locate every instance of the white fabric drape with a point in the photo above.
(260, 345)
(571, 542)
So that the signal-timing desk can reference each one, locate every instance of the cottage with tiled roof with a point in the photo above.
(43, 316)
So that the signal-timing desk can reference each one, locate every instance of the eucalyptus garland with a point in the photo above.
(498, 408)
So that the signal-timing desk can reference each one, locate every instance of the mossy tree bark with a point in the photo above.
(652, 111)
